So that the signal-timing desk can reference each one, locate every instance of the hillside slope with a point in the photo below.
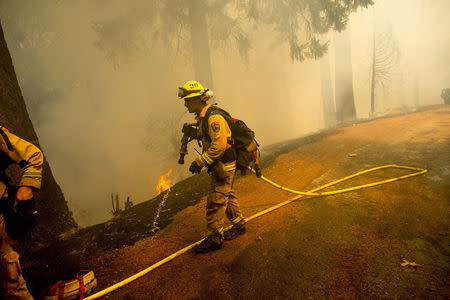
(348, 246)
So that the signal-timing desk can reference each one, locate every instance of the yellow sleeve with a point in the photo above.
(219, 133)
(27, 155)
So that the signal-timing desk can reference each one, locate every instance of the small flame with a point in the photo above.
(164, 183)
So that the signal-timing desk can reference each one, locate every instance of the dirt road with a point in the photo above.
(344, 246)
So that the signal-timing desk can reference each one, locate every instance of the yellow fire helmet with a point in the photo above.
(191, 89)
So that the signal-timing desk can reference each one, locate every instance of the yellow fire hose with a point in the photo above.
(299, 195)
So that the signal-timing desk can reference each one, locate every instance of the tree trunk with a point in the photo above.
(372, 84)
(54, 215)
(345, 102)
(418, 56)
(200, 43)
(329, 110)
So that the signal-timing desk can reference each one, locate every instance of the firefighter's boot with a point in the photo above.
(210, 243)
(235, 231)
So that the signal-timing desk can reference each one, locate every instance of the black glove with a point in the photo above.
(195, 168)
(20, 219)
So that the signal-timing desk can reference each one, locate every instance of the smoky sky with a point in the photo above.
(100, 80)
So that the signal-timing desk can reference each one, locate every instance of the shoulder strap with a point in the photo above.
(214, 110)
(6, 139)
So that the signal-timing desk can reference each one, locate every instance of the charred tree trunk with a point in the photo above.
(329, 110)
(345, 102)
(200, 43)
(54, 215)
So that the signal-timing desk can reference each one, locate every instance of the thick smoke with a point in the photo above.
(100, 80)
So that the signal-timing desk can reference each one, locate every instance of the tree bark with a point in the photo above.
(200, 43)
(345, 102)
(54, 216)
(328, 107)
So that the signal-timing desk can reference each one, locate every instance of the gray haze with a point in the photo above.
(105, 106)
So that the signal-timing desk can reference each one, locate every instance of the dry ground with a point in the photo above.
(344, 246)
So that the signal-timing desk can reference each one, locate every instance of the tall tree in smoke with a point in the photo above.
(385, 55)
(201, 56)
(345, 100)
(179, 25)
(302, 23)
(419, 63)
(328, 106)
(202, 23)
(54, 215)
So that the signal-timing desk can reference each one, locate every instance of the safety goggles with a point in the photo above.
(182, 92)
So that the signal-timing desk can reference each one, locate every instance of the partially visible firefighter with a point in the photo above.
(17, 208)
(219, 157)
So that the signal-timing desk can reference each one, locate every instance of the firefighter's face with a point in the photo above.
(193, 104)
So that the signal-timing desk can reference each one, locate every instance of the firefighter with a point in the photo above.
(30, 159)
(220, 159)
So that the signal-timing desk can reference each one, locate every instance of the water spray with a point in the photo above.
(164, 185)
(155, 227)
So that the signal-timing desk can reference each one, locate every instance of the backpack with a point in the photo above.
(243, 140)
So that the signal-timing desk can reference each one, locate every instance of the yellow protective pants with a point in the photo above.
(13, 285)
(220, 203)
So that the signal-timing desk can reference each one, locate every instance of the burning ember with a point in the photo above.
(164, 183)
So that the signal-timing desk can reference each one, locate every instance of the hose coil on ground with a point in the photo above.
(299, 194)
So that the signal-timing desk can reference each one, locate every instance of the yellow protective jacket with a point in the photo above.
(220, 134)
(27, 155)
